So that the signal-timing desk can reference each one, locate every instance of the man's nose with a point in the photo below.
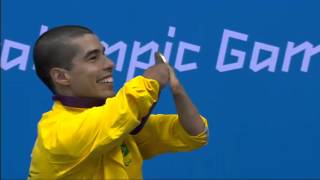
(108, 64)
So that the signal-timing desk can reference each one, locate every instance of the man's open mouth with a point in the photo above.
(107, 79)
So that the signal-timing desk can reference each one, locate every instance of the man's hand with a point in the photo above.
(158, 72)
(173, 81)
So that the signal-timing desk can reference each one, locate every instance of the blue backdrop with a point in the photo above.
(251, 67)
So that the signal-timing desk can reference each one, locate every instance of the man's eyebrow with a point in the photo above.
(94, 51)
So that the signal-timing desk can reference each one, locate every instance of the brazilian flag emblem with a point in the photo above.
(126, 154)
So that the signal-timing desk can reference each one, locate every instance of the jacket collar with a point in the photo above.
(79, 102)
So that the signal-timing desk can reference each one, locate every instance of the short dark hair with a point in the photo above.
(53, 49)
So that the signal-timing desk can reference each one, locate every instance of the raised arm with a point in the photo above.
(188, 114)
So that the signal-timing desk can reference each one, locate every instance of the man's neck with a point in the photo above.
(79, 102)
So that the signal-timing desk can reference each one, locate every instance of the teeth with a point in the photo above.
(109, 79)
(106, 80)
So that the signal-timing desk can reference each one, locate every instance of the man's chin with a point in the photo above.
(111, 95)
(108, 94)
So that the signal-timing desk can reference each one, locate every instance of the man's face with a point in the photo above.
(91, 71)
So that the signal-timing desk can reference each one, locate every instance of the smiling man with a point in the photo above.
(91, 132)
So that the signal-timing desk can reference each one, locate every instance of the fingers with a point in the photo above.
(160, 59)
(159, 72)
(172, 77)
(172, 74)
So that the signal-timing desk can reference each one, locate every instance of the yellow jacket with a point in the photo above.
(95, 143)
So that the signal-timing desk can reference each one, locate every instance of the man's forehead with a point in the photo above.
(85, 38)
(87, 42)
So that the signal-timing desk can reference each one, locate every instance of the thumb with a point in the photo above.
(159, 58)
(172, 76)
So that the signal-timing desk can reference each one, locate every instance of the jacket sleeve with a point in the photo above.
(103, 127)
(164, 133)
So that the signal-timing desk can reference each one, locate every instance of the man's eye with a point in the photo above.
(93, 58)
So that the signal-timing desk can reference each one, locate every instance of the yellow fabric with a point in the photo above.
(94, 143)
(164, 133)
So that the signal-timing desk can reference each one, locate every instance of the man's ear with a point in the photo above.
(60, 76)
